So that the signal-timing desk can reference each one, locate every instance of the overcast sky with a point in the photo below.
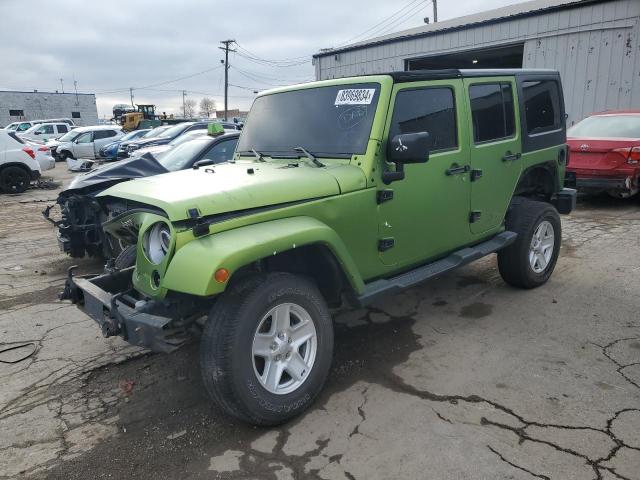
(111, 45)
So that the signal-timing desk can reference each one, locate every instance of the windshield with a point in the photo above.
(607, 126)
(177, 158)
(155, 132)
(327, 121)
(173, 131)
(69, 136)
(130, 136)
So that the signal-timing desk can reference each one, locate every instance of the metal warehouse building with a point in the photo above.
(36, 105)
(595, 44)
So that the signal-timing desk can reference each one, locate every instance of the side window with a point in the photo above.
(492, 111)
(541, 106)
(63, 128)
(84, 138)
(221, 152)
(429, 110)
(23, 126)
(99, 134)
(46, 129)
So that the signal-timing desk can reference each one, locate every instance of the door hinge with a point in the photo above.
(386, 244)
(474, 216)
(476, 174)
(384, 196)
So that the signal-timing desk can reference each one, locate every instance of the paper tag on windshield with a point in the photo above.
(355, 96)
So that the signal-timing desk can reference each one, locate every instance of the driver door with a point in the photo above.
(426, 214)
(83, 146)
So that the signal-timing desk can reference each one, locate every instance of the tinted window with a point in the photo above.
(607, 126)
(222, 151)
(334, 120)
(542, 106)
(75, 114)
(429, 110)
(98, 134)
(63, 129)
(16, 113)
(492, 111)
(179, 157)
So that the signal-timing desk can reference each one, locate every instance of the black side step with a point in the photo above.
(378, 288)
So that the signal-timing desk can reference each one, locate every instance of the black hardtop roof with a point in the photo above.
(418, 75)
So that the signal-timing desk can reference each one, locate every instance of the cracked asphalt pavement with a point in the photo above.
(461, 378)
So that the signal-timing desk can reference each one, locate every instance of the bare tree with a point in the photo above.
(207, 107)
(189, 108)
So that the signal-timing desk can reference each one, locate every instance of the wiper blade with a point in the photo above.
(259, 156)
(310, 156)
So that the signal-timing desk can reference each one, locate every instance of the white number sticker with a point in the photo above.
(355, 96)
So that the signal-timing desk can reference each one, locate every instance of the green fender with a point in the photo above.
(192, 268)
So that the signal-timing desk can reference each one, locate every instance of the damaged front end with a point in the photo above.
(80, 226)
(110, 299)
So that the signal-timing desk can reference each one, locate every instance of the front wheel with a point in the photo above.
(267, 348)
(530, 260)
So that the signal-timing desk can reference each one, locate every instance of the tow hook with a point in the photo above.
(70, 292)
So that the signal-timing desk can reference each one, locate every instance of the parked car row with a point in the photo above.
(25, 125)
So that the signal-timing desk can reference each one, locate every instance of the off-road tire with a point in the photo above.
(523, 218)
(226, 348)
(126, 258)
(14, 179)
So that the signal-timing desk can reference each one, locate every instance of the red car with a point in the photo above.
(604, 153)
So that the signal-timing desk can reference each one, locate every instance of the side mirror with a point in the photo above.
(37, 133)
(406, 148)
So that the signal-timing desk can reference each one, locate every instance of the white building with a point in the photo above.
(595, 44)
(36, 105)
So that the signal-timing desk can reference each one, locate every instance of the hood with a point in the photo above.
(230, 187)
(118, 171)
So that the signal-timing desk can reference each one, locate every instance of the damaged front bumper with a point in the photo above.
(110, 300)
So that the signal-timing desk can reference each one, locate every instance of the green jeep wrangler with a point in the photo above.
(340, 190)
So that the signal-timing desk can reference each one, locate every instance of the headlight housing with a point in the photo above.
(156, 242)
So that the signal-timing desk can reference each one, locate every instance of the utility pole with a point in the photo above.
(435, 11)
(184, 106)
(62, 85)
(75, 86)
(131, 95)
(226, 44)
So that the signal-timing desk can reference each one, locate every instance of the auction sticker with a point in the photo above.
(355, 96)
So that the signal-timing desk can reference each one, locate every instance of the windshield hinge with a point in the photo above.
(384, 196)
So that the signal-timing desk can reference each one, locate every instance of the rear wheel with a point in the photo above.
(14, 179)
(126, 258)
(530, 260)
(62, 156)
(267, 348)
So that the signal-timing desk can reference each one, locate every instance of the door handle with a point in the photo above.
(511, 157)
(456, 169)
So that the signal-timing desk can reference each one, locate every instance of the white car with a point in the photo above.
(20, 127)
(43, 156)
(18, 164)
(45, 131)
(160, 149)
(88, 142)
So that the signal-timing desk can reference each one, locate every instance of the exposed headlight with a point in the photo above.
(157, 240)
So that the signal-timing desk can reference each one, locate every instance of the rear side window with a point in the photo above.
(429, 110)
(63, 129)
(541, 106)
(98, 134)
(492, 111)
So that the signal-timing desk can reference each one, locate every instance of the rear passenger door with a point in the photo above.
(495, 148)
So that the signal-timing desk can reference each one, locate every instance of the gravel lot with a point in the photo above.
(462, 378)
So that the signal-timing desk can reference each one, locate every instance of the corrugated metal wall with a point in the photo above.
(596, 48)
